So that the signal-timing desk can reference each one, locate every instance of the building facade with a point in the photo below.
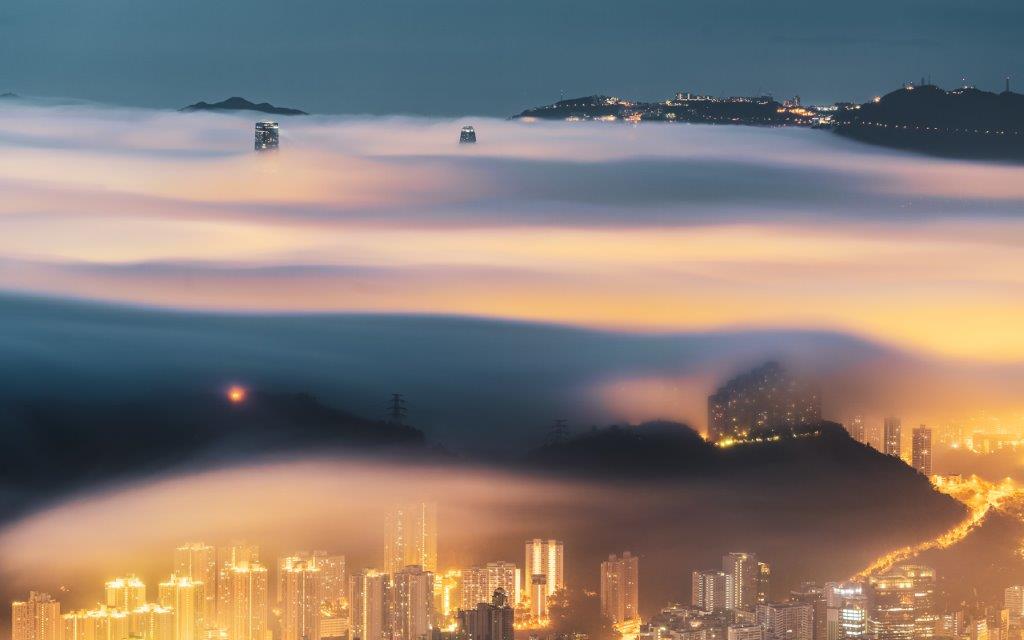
(411, 537)
(921, 450)
(620, 588)
(36, 618)
(892, 437)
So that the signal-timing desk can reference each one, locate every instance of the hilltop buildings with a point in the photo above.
(921, 450)
(765, 398)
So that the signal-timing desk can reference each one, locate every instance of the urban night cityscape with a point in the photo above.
(439, 320)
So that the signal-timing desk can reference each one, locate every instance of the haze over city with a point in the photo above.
(564, 321)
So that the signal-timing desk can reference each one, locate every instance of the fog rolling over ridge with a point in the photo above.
(485, 513)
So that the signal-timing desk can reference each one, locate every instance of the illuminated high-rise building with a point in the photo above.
(36, 618)
(448, 595)
(620, 588)
(787, 620)
(267, 136)
(126, 594)
(892, 436)
(96, 624)
(810, 593)
(711, 589)
(198, 562)
(846, 611)
(413, 604)
(494, 620)
(764, 582)
(335, 579)
(474, 587)
(744, 570)
(284, 565)
(856, 428)
(505, 576)
(1013, 602)
(411, 537)
(764, 398)
(187, 598)
(902, 603)
(368, 599)
(544, 572)
(303, 593)
(248, 602)
(237, 554)
(921, 450)
(538, 596)
(152, 622)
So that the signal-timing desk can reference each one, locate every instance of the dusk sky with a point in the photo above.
(456, 57)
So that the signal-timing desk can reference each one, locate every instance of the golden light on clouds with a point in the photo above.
(641, 229)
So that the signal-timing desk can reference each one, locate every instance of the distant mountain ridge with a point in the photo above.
(241, 104)
(965, 122)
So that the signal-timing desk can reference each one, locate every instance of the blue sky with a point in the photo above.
(456, 57)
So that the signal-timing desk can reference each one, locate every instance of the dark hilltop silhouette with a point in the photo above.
(807, 491)
(964, 122)
(241, 104)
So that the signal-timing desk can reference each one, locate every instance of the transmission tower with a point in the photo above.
(396, 409)
(559, 432)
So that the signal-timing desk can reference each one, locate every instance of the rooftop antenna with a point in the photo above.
(396, 409)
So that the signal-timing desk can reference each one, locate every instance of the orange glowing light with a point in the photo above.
(237, 394)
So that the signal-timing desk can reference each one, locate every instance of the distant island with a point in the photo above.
(964, 122)
(241, 104)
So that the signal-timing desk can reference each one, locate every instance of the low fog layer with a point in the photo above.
(484, 514)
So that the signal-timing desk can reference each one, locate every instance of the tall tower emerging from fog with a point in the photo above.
(413, 605)
(248, 609)
(764, 398)
(856, 429)
(198, 562)
(620, 590)
(921, 450)
(303, 593)
(335, 580)
(411, 537)
(368, 605)
(37, 618)
(892, 435)
(744, 570)
(266, 136)
(237, 554)
(126, 594)
(186, 597)
(544, 572)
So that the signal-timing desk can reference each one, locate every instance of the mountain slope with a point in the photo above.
(241, 104)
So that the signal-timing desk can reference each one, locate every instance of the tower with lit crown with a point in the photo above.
(36, 618)
(543, 572)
